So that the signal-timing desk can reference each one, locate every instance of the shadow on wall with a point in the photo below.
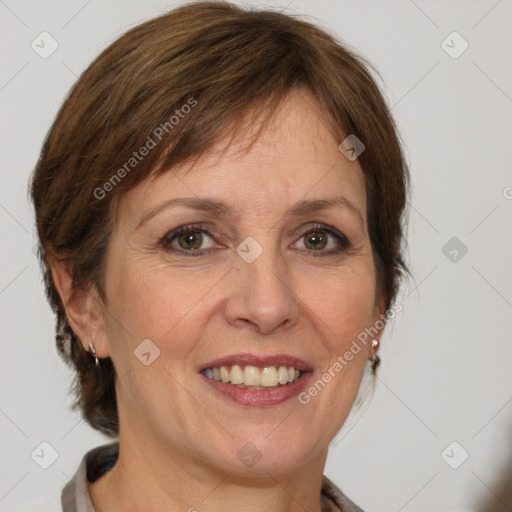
(499, 497)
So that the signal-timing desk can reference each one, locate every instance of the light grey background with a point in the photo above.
(446, 365)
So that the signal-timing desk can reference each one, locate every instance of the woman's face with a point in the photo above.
(262, 288)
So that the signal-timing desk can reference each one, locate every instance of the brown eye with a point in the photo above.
(321, 240)
(190, 240)
(315, 240)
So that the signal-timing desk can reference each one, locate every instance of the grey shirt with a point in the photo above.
(96, 462)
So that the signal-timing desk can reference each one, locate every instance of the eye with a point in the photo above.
(318, 240)
(187, 240)
(324, 241)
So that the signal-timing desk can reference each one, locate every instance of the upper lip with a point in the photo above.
(261, 361)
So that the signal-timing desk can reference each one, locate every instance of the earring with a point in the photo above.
(375, 359)
(92, 351)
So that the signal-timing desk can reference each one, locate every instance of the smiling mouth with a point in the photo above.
(254, 377)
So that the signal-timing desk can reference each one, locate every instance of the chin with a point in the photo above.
(275, 451)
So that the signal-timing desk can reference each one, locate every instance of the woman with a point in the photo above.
(219, 205)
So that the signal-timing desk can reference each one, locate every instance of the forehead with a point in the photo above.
(296, 157)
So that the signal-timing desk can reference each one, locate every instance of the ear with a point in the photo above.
(84, 309)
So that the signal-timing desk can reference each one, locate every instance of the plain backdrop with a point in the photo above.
(444, 390)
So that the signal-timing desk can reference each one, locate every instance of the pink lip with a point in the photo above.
(260, 361)
(258, 397)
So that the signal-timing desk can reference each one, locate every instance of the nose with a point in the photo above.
(261, 294)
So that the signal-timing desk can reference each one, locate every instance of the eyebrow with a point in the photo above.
(222, 209)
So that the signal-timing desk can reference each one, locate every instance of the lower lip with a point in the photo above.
(259, 397)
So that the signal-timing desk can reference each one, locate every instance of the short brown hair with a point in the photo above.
(225, 62)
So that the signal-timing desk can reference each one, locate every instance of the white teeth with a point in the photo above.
(236, 377)
(282, 375)
(269, 377)
(253, 376)
(224, 374)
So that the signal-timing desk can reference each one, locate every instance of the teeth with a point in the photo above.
(269, 377)
(282, 375)
(236, 377)
(224, 374)
(253, 376)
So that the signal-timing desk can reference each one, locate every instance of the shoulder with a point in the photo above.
(335, 494)
(75, 494)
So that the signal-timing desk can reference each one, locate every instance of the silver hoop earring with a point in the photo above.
(92, 351)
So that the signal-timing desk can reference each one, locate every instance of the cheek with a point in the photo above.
(157, 304)
(344, 305)
(344, 309)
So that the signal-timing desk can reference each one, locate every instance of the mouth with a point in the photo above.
(257, 381)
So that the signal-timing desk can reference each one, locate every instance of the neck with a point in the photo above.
(150, 479)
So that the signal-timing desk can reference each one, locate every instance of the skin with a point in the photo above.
(178, 438)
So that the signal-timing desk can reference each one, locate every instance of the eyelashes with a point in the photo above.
(183, 230)
(321, 229)
(193, 234)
